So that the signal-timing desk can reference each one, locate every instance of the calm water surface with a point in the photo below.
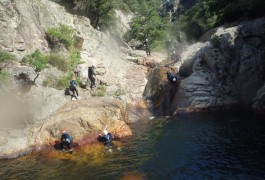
(190, 146)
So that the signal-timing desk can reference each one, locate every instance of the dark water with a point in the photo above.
(190, 146)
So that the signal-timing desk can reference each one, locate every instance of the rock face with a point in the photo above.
(83, 119)
(86, 117)
(159, 91)
(23, 25)
(227, 70)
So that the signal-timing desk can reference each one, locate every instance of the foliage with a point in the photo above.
(50, 81)
(207, 14)
(149, 26)
(74, 58)
(36, 60)
(121, 5)
(60, 83)
(101, 91)
(133, 5)
(59, 61)
(198, 19)
(6, 57)
(100, 12)
(62, 34)
(4, 77)
(229, 11)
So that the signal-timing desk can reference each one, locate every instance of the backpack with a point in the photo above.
(67, 91)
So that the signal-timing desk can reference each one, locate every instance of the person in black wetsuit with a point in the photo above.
(106, 138)
(92, 76)
(146, 47)
(172, 76)
(73, 88)
(66, 140)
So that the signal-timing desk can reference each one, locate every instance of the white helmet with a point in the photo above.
(105, 132)
(174, 79)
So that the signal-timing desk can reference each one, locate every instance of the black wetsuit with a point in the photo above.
(171, 76)
(66, 141)
(106, 139)
(73, 88)
(146, 47)
(91, 76)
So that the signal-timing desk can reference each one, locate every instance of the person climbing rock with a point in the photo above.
(146, 47)
(172, 76)
(77, 71)
(66, 140)
(92, 76)
(73, 88)
(106, 139)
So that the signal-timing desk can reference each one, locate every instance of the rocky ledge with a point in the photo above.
(84, 119)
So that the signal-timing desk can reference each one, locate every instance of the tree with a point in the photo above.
(6, 58)
(37, 61)
(100, 12)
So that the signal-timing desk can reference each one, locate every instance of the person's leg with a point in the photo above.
(72, 90)
(93, 82)
(75, 89)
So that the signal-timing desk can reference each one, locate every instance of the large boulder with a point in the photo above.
(226, 70)
(85, 118)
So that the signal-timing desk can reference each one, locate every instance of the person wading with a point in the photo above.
(106, 139)
(66, 141)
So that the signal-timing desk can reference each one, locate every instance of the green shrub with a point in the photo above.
(119, 4)
(62, 34)
(74, 58)
(149, 26)
(56, 83)
(64, 81)
(6, 57)
(4, 76)
(208, 14)
(100, 13)
(50, 81)
(59, 61)
(101, 91)
(36, 60)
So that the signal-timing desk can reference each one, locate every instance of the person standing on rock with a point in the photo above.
(73, 88)
(92, 76)
(77, 71)
(146, 47)
(66, 141)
